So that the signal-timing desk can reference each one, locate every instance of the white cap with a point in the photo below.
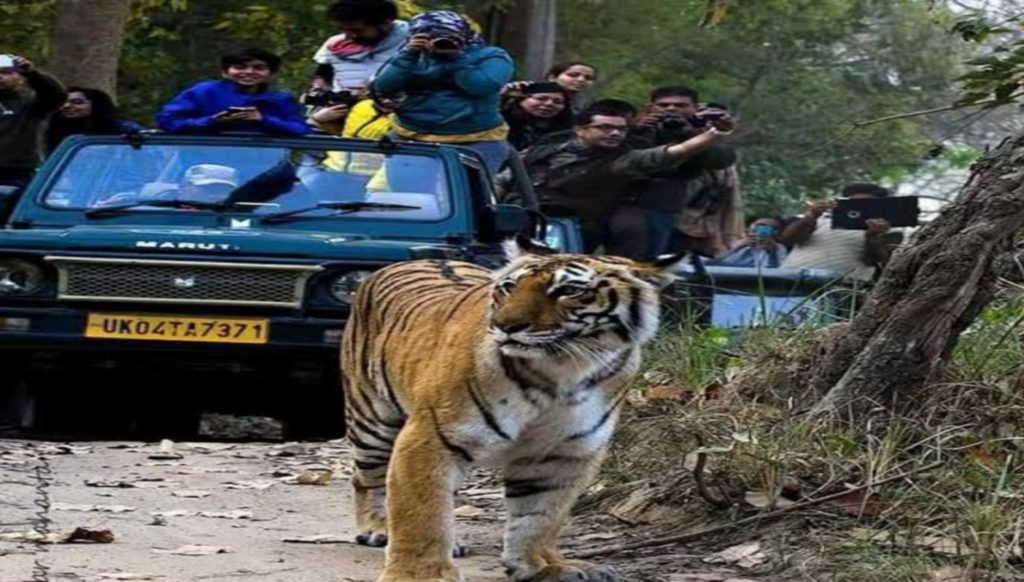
(203, 174)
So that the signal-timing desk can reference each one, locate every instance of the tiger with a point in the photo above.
(447, 365)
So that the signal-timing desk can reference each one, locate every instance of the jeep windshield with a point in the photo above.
(106, 180)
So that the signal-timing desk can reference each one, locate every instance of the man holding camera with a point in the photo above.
(452, 83)
(851, 253)
(590, 176)
(694, 208)
(27, 98)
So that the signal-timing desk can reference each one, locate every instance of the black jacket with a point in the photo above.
(22, 115)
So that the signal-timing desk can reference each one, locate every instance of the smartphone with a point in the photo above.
(854, 214)
(6, 61)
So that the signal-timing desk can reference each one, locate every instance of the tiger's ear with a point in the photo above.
(522, 246)
(663, 270)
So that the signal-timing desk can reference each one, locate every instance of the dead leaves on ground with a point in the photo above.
(77, 535)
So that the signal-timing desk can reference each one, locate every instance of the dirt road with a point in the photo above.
(240, 506)
(239, 497)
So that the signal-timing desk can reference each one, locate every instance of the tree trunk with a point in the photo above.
(932, 289)
(86, 44)
(530, 29)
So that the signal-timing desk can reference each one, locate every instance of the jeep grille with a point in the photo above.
(184, 282)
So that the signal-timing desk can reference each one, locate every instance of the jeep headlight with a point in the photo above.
(344, 286)
(20, 277)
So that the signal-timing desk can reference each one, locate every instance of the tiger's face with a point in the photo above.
(546, 305)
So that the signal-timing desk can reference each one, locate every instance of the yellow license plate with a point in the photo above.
(177, 329)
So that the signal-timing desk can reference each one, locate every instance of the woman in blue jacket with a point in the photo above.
(241, 101)
(451, 82)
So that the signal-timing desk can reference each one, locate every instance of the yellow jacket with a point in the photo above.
(363, 122)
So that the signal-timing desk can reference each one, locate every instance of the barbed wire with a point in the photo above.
(42, 521)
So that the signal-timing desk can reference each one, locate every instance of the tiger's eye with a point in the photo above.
(568, 291)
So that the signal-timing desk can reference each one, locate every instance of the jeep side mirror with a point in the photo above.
(508, 220)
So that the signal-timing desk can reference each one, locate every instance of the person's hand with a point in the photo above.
(418, 43)
(329, 114)
(251, 115)
(515, 88)
(878, 225)
(726, 123)
(649, 120)
(23, 65)
(818, 207)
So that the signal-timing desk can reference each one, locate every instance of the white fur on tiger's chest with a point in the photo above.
(573, 418)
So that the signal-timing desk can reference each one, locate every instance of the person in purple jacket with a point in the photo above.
(241, 101)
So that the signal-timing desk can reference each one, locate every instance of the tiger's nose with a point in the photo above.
(511, 328)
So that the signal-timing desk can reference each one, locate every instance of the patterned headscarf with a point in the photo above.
(445, 23)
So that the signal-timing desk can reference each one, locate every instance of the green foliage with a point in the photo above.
(798, 72)
(996, 74)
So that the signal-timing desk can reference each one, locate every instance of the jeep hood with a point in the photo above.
(209, 242)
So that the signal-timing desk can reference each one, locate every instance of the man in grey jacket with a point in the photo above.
(27, 98)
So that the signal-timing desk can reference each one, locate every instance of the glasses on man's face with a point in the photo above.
(609, 128)
(78, 102)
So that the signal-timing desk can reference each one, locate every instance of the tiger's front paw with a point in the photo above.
(373, 538)
(430, 572)
(568, 571)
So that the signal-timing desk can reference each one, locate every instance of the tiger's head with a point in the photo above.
(546, 304)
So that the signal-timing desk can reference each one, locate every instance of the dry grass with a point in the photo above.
(739, 401)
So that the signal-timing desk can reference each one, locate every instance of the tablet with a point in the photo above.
(851, 214)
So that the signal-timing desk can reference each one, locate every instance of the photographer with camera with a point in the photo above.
(370, 35)
(855, 253)
(452, 82)
(693, 207)
(27, 98)
(329, 110)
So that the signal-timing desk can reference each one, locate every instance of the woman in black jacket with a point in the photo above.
(89, 112)
(535, 110)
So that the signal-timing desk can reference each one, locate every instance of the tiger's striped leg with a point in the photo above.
(425, 470)
(369, 480)
(539, 495)
(372, 430)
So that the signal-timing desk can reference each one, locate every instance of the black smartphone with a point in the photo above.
(850, 214)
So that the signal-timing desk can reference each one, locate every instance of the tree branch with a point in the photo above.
(693, 535)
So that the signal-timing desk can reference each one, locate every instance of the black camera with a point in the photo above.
(445, 43)
(324, 98)
(706, 118)
(673, 120)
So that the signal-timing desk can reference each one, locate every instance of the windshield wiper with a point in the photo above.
(195, 204)
(341, 207)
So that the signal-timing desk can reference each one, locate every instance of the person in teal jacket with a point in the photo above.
(451, 81)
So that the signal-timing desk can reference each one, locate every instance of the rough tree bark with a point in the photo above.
(932, 289)
(86, 44)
